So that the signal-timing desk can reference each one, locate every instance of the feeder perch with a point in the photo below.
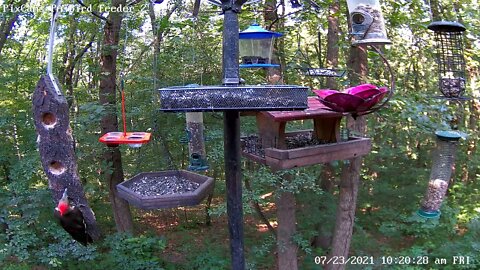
(133, 139)
(323, 72)
(450, 57)
(368, 25)
(165, 189)
(443, 162)
(256, 47)
(197, 163)
(224, 98)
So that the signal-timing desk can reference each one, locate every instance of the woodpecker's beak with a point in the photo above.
(64, 196)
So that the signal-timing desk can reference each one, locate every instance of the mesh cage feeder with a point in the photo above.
(450, 57)
(442, 167)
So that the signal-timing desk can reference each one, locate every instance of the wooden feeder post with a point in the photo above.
(56, 147)
(231, 125)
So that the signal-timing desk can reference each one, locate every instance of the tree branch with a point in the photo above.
(94, 13)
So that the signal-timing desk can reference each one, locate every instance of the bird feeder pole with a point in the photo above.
(231, 124)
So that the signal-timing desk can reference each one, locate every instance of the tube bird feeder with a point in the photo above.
(368, 25)
(442, 167)
(450, 57)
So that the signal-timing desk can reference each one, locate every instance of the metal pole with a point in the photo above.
(231, 126)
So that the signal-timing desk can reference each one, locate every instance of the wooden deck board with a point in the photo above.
(315, 110)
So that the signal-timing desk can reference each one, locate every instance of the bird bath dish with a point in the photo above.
(356, 99)
(165, 189)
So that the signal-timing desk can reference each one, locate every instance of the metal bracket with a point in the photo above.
(234, 5)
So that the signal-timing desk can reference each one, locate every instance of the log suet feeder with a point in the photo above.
(55, 140)
(450, 58)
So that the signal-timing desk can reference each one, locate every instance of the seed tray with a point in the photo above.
(165, 189)
(244, 97)
(284, 159)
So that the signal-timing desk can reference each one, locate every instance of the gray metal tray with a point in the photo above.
(243, 97)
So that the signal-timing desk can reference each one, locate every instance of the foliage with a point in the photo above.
(394, 175)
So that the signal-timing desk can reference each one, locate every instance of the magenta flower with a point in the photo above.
(355, 100)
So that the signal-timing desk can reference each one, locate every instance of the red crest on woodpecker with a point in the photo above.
(63, 205)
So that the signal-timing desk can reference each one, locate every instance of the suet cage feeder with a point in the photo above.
(368, 25)
(450, 57)
(256, 47)
(442, 167)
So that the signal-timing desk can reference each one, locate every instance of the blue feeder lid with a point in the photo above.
(450, 135)
(255, 31)
(427, 214)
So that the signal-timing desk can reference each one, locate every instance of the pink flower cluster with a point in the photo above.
(356, 99)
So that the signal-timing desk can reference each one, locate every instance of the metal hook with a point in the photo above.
(51, 43)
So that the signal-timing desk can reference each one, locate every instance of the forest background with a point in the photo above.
(164, 45)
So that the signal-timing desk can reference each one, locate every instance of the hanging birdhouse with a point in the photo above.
(256, 47)
(450, 59)
(368, 25)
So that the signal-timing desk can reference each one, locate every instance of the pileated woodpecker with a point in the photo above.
(71, 219)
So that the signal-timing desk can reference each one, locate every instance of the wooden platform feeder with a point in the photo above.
(273, 140)
(165, 189)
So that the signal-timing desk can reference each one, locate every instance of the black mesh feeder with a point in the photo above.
(450, 57)
(442, 168)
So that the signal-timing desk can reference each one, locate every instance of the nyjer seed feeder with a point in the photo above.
(368, 25)
(256, 47)
(450, 58)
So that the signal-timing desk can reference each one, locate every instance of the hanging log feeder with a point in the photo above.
(165, 189)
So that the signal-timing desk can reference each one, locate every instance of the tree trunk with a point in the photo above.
(286, 248)
(109, 123)
(332, 42)
(349, 180)
(8, 22)
(285, 202)
(324, 238)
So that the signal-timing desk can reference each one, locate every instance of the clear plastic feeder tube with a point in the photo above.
(442, 167)
(368, 25)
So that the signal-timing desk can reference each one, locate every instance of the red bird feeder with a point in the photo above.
(133, 139)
